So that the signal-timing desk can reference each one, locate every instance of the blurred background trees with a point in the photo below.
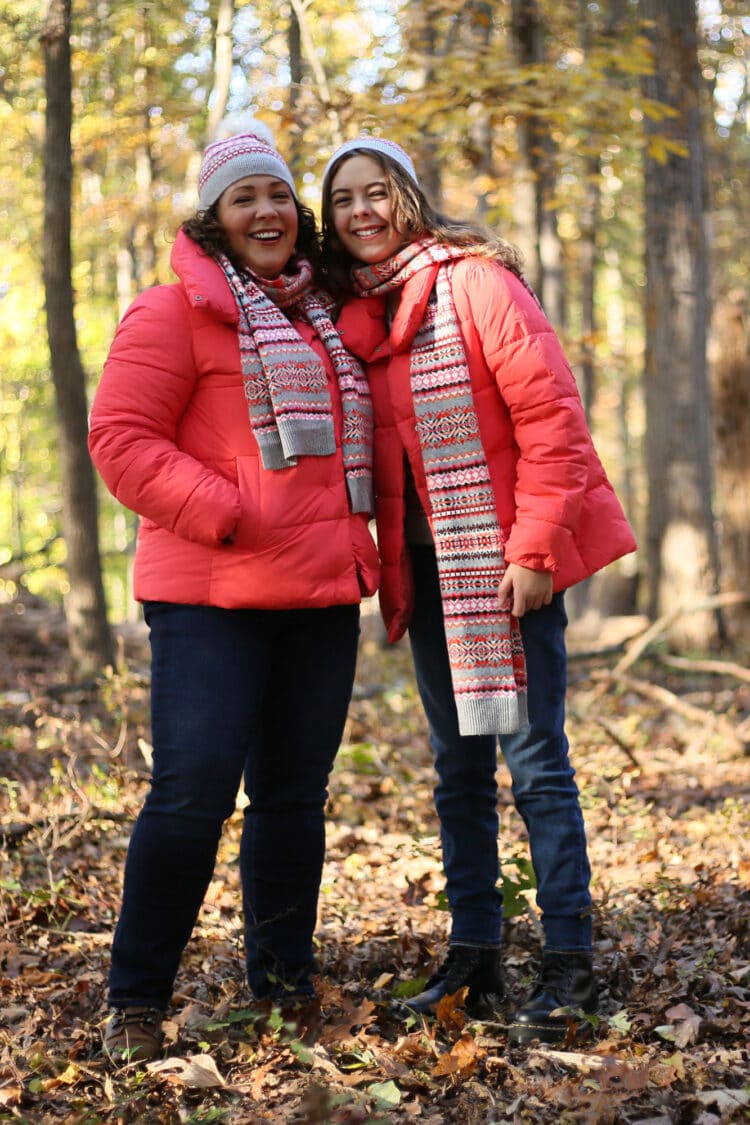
(610, 140)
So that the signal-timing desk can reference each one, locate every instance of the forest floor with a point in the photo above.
(665, 788)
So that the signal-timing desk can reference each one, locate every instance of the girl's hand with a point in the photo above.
(522, 589)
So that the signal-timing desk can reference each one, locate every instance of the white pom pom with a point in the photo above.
(235, 123)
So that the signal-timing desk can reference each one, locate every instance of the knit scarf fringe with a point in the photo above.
(487, 661)
(286, 384)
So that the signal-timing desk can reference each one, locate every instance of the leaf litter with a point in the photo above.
(668, 820)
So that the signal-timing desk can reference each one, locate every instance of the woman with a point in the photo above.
(231, 419)
(490, 501)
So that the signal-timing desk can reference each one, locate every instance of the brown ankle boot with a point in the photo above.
(133, 1034)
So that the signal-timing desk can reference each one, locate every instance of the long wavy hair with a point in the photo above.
(205, 229)
(414, 217)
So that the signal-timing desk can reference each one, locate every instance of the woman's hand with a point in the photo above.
(522, 589)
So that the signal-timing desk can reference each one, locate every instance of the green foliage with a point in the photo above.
(30, 500)
(244, 1015)
(408, 988)
(386, 1094)
(514, 886)
(620, 1022)
(360, 756)
(207, 1115)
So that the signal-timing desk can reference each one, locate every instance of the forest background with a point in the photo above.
(611, 141)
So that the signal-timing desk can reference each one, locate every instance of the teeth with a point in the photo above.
(266, 235)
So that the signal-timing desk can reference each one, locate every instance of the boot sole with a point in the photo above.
(478, 1010)
(402, 1010)
(522, 1034)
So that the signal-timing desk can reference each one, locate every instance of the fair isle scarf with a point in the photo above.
(286, 385)
(487, 662)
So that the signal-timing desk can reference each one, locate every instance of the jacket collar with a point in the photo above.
(362, 321)
(203, 279)
(362, 327)
(410, 313)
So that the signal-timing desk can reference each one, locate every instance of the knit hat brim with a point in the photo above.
(374, 144)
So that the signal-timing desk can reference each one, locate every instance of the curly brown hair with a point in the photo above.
(414, 217)
(205, 229)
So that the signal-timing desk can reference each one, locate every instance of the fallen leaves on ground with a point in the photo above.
(666, 807)
(198, 1072)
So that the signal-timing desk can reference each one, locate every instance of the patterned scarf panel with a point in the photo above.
(484, 642)
(286, 385)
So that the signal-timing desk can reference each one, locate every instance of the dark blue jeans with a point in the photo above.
(259, 693)
(544, 788)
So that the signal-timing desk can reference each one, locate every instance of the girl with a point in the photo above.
(230, 418)
(490, 501)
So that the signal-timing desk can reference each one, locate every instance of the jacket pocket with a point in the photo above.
(247, 533)
(366, 556)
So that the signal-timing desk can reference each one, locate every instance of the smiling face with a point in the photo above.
(259, 217)
(362, 211)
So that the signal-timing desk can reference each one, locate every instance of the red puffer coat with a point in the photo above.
(554, 502)
(170, 435)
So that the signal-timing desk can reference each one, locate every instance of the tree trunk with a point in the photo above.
(540, 243)
(681, 541)
(478, 21)
(144, 236)
(589, 221)
(295, 153)
(89, 637)
(615, 17)
(222, 52)
(615, 328)
(729, 353)
(426, 54)
(222, 77)
(317, 70)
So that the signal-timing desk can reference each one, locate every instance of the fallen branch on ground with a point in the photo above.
(12, 834)
(668, 699)
(714, 667)
(662, 625)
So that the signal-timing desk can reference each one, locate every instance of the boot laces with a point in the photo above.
(557, 975)
(144, 1017)
(461, 961)
(554, 970)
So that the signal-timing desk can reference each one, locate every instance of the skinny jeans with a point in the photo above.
(543, 785)
(259, 694)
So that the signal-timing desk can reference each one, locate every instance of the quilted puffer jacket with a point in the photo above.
(171, 437)
(557, 509)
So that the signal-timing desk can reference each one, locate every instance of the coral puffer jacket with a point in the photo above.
(170, 434)
(554, 502)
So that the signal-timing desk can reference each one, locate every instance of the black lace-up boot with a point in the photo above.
(564, 989)
(466, 966)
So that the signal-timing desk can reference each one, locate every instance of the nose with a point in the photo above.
(361, 205)
(265, 206)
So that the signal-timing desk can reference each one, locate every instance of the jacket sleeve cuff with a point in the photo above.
(538, 546)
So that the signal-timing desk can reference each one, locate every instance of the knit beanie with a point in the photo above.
(245, 147)
(375, 144)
